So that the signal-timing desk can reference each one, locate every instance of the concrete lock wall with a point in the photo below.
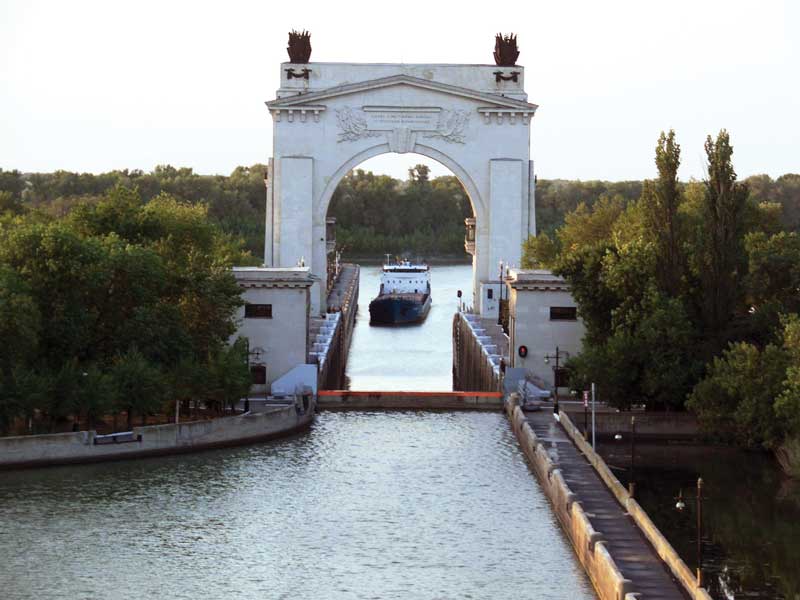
(472, 367)
(664, 549)
(83, 446)
(587, 543)
(345, 399)
(649, 426)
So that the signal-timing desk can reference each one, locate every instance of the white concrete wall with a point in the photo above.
(155, 439)
(284, 337)
(346, 113)
(327, 75)
(294, 178)
(531, 326)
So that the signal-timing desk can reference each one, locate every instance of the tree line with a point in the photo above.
(690, 296)
(120, 307)
(235, 202)
(375, 214)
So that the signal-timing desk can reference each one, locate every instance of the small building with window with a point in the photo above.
(274, 319)
(543, 322)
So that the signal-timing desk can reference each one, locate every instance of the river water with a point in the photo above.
(751, 514)
(412, 357)
(364, 505)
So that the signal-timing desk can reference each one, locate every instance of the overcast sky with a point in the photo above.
(93, 86)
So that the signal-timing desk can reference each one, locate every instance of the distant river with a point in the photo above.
(365, 505)
(410, 357)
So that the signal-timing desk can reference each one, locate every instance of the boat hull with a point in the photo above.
(395, 309)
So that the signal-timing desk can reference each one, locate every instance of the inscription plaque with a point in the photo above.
(391, 119)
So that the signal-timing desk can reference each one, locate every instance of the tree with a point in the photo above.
(229, 374)
(736, 399)
(773, 279)
(722, 262)
(539, 252)
(96, 395)
(660, 201)
(138, 385)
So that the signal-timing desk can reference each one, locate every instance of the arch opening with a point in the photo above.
(419, 216)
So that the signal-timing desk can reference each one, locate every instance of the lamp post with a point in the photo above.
(631, 482)
(680, 505)
(699, 531)
(556, 369)
(500, 296)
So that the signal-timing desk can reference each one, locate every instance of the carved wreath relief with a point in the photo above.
(448, 125)
(352, 126)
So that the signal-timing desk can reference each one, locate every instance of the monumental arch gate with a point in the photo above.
(330, 117)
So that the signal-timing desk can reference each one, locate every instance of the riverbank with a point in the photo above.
(156, 440)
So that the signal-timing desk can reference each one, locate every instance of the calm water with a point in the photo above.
(383, 505)
(751, 515)
(411, 357)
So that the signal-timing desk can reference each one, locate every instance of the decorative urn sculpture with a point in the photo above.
(299, 47)
(505, 50)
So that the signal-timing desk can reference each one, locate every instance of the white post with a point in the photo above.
(593, 397)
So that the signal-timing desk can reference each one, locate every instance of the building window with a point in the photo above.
(258, 375)
(563, 313)
(258, 311)
(490, 293)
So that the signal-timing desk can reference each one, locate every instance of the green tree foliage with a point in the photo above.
(138, 385)
(376, 214)
(660, 203)
(721, 263)
(556, 198)
(230, 373)
(106, 303)
(741, 396)
(539, 252)
(235, 203)
(666, 282)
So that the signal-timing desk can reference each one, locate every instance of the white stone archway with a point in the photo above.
(330, 117)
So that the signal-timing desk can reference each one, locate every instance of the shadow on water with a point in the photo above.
(751, 514)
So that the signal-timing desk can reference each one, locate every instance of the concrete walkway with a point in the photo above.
(632, 553)
(339, 295)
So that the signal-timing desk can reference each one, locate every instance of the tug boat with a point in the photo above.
(405, 294)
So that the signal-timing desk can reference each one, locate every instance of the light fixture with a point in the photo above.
(680, 504)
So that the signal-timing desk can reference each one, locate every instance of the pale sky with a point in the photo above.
(97, 85)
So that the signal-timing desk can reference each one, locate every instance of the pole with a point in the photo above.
(585, 416)
(699, 531)
(500, 296)
(555, 384)
(593, 420)
(177, 410)
(631, 482)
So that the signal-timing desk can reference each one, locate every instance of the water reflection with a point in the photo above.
(385, 505)
(751, 515)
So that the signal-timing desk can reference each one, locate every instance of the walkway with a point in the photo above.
(633, 554)
(341, 292)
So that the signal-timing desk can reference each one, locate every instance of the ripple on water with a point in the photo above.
(365, 505)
